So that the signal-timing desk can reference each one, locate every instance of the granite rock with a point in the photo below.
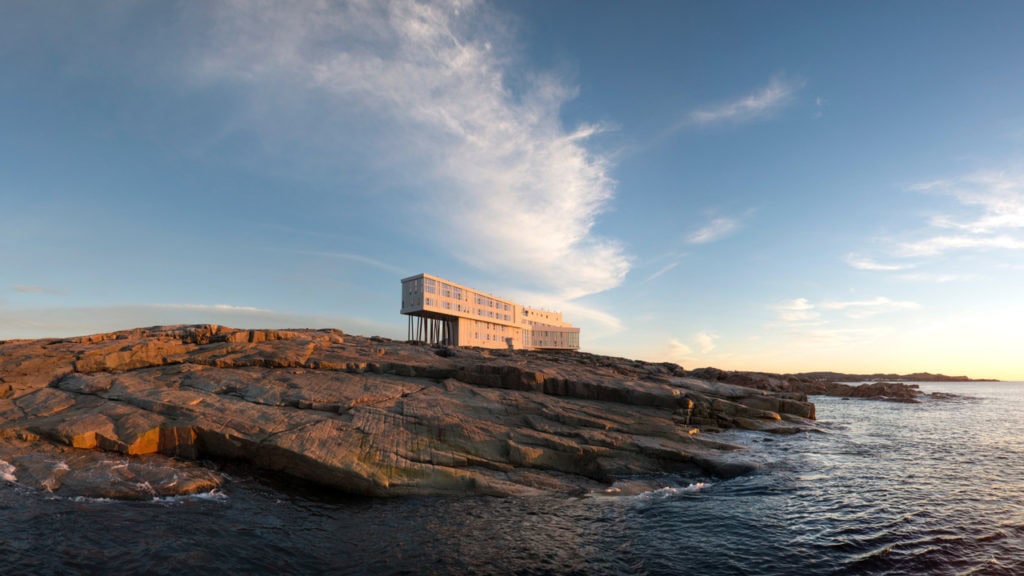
(374, 416)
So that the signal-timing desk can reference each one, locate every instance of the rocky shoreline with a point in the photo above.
(366, 415)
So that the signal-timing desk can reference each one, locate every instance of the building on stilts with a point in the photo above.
(445, 313)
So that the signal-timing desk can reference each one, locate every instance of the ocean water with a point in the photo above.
(885, 488)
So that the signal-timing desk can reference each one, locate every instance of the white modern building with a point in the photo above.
(443, 312)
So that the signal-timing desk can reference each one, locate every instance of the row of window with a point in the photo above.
(556, 339)
(446, 290)
(493, 314)
(492, 303)
(479, 325)
(489, 337)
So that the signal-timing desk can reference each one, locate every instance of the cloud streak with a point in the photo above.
(701, 342)
(706, 342)
(797, 310)
(358, 258)
(759, 104)
(990, 218)
(866, 308)
(515, 191)
(662, 271)
(801, 311)
(715, 230)
(862, 263)
(997, 202)
(678, 350)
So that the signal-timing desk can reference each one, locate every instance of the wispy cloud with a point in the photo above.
(863, 263)
(515, 191)
(866, 308)
(797, 310)
(992, 215)
(715, 230)
(998, 195)
(758, 104)
(833, 324)
(661, 271)
(679, 350)
(358, 258)
(940, 244)
(801, 311)
(934, 278)
(706, 341)
(701, 343)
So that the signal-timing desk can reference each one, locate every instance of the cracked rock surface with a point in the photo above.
(364, 415)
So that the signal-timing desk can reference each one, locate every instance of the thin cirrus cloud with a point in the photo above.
(715, 230)
(991, 217)
(661, 271)
(678, 349)
(937, 245)
(528, 190)
(801, 311)
(798, 310)
(864, 263)
(865, 308)
(357, 258)
(758, 104)
(704, 342)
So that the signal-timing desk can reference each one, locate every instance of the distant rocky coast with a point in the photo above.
(135, 414)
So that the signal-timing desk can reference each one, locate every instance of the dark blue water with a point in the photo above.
(930, 488)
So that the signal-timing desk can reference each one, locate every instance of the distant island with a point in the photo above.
(915, 377)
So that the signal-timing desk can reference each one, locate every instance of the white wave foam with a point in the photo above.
(670, 491)
(214, 495)
(88, 499)
(646, 489)
(7, 472)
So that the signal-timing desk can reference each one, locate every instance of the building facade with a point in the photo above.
(443, 312)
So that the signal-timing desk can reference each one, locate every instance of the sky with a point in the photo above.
(775, 186)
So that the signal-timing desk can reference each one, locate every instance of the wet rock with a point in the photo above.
(71, 473)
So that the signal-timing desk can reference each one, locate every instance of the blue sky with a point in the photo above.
(781, 186)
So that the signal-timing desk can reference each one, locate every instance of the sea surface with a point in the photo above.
(885, 488)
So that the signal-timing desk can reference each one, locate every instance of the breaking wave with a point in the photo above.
(7, 472)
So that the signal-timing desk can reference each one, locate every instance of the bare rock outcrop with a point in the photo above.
(373, 416)
(811, 385)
